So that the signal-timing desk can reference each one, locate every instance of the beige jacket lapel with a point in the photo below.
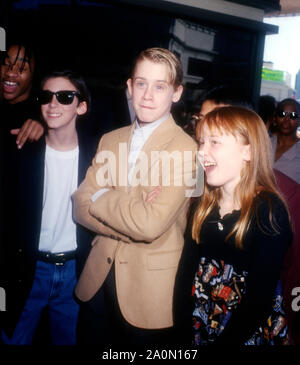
(121, 150)
(156, 142)
(160, 136)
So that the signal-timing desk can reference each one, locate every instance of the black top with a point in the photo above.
(260, 260)
(14, 115)
(11, 116)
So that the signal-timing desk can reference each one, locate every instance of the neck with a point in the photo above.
(61, 141)
(286, 139)
(143, 124)
(227, 202)
(21, 98)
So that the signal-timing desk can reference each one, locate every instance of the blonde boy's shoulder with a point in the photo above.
(185, 139)
(117, 132)
(115, 136)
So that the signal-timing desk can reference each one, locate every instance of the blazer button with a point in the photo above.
(109, 260)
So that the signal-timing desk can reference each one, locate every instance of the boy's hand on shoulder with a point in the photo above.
(31, 130)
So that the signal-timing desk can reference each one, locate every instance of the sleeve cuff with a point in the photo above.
(98, 193)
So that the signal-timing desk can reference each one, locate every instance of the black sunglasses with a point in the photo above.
(64, 97)
(283, 114)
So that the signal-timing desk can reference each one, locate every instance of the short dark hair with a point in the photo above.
(267, 105)
(228, 95)
(77, 80)
(28, 53)
(288, 101)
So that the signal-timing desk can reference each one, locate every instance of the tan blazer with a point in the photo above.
(144, 239)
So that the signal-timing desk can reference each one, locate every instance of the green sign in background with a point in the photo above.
(272, 75)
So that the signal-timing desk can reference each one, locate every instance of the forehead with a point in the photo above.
(210, 129)
(16, 53)
(214, 129)
(289, 106)
(152, 71)
(58, 83)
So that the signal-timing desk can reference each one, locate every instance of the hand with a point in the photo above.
(153, 194)
(31, 130)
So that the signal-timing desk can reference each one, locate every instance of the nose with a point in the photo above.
(148, 94)
(53, 102)
(12, 70)
(204, 147)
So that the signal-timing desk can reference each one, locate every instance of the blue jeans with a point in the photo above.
(53, 285)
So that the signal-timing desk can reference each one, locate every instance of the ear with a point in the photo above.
(247, 152)
(177, 94)
(82, 108)
(129, 85)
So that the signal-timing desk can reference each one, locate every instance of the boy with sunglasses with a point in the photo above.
(51, 248)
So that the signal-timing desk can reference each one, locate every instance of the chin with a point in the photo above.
(147, 116)
(9, 97)
(143, 119)
(213, 184)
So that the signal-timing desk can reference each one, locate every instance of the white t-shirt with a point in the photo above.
(58, 230)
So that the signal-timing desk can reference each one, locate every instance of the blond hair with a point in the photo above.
(257, 175)
(162, 55)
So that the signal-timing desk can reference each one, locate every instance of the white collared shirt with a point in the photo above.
(138, 140)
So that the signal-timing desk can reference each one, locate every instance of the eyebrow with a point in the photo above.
(213, 136)
(22, 59)
(143, 78)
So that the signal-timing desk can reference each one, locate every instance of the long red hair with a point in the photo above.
(256, 176)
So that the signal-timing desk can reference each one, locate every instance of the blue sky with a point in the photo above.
(283, 49)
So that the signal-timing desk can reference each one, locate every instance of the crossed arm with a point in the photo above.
(142, 214)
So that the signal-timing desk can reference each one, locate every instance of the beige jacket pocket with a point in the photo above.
(163, 260)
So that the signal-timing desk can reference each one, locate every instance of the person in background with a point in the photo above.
(267, 106)
(19, 111)
(18, 70)
(285, 144)
(290, 274)
(240, 232)
(192, 119)
(216, 96)
(50, 247)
